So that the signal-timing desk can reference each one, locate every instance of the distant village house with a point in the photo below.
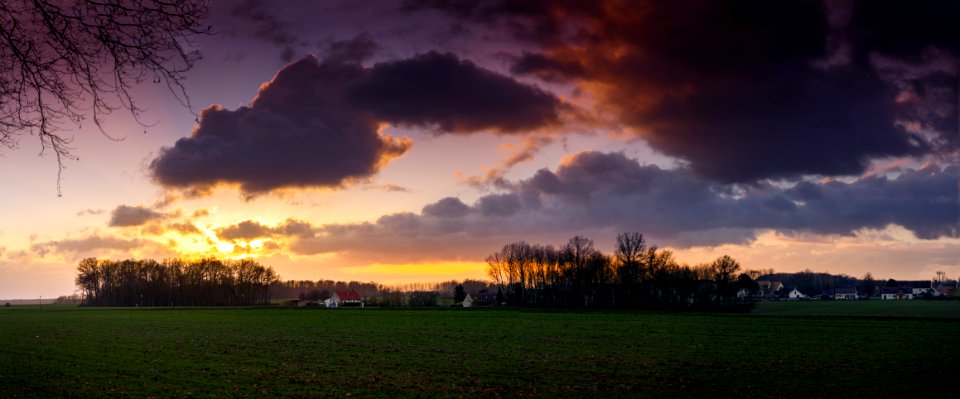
(845, 293)
(897, 293)
(796, 294)
(348, 298)
(768, 289)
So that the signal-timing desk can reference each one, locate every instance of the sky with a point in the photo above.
(404, 140)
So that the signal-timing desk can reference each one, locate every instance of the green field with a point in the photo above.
(63, 351)
(861, 308)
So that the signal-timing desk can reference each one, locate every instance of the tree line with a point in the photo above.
(174, 282)
(637, 275)
(379, 295)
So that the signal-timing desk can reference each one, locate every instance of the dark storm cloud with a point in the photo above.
(595, 191)
(297, 132)
(126, 216)
(611, 189)
(903, 28)
(925, 201)
(751, 89)
(316, 123)
(454, 95)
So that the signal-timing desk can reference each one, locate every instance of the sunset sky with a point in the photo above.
(401, 141)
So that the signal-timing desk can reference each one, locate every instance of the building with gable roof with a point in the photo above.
(348, 298)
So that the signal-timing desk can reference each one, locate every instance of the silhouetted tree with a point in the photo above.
(67, 62)
(941, 276)
(630, 274)
(724, 270)
(744, 281)
(204, 282)
(459, 294)
(868, 285)
(578, 275)
(498, 271)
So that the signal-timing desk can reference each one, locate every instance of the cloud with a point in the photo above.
(748, 90)
(316, 124)
(296, 133)
(456, 96)
(184, 228)
(388, 187)
(248, 230)
(608, 192)
(449, 207)
(86, 212)
(517, 154)
(87, 244)
(127, 216)
(924, 201)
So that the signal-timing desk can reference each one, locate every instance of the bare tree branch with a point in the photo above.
(63, 63)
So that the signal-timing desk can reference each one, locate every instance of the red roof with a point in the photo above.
(348, 295)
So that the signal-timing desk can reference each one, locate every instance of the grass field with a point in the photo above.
(63, 351)
(861, 308)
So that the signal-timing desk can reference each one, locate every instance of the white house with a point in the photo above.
(845, 293)
(344, 298)
(796, 294)
(896, 293)
(467, 301)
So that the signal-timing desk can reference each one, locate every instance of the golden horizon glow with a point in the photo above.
(422, 272)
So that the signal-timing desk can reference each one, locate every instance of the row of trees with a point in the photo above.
(374, 294)
(579, 275)
(175, 282)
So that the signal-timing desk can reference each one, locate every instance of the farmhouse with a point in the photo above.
(467, 301)
(845, 293)
(918, 287)
(897, 293)
(768, 289)
(344, 299)
(796, 294)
